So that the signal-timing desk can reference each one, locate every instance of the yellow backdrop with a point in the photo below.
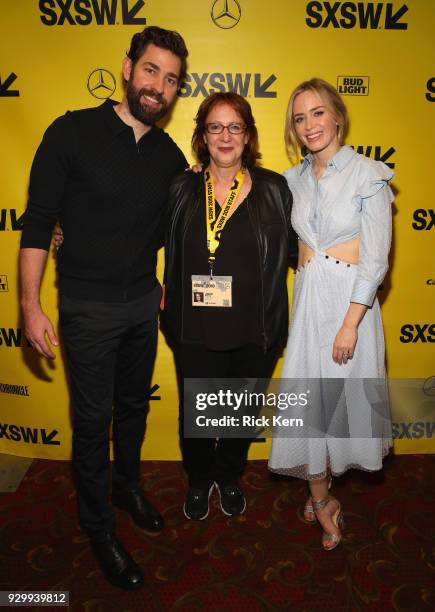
(66, 54)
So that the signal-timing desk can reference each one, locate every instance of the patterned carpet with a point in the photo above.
(266, 560)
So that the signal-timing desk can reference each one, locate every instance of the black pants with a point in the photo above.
(207, 460)
(111, 349)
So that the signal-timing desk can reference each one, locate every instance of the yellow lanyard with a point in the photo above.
(215, 226)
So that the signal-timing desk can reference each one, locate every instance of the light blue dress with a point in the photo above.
(351, 199)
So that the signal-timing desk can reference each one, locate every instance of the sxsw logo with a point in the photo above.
(246, 84)
(353, 85)
(86, 12)
(30, 435)
(423, 219)
(15, 223)
(417, 429)
(430, 94)
(377, 153)
(5, 87)
(151, 394)
(363, 15)
(3, 283)
(415, 332)
(12, 337)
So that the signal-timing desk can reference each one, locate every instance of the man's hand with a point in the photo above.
(36, 324)
(195, 168)
(58, 236)
(37, 328)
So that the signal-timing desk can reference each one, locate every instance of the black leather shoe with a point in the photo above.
(140, 509)
(117, 565)
(232, 499)
(196, 506)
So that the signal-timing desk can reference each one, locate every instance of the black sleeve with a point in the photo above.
(179, 166)
(292, 236)
(182, 161)
(175, 190)
(49, 175)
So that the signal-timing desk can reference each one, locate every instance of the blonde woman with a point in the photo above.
(342, 215)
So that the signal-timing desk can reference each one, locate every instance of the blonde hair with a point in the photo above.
(332, 101)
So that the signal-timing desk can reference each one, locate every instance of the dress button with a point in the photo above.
(348, 265)
(326, 256)
(337, 261)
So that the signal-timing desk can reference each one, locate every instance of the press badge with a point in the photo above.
(216, 291)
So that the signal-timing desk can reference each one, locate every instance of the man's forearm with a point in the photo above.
(32, 266)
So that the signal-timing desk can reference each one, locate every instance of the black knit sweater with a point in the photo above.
(109, 194)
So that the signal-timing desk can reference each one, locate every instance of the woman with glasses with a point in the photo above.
(227, 247)
(342, 215)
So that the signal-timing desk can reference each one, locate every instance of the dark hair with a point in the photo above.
(165, 39)
(242, 107)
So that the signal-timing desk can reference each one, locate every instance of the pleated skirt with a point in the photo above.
(346, 422)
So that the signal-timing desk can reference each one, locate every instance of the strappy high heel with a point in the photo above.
(337, 519)
(308, 508)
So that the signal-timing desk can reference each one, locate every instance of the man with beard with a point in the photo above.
(104, 173)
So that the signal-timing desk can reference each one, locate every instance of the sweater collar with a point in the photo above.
(114, 121)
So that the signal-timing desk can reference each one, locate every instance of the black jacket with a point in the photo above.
(269, 206)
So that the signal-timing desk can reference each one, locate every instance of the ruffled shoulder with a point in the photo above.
(375, 175)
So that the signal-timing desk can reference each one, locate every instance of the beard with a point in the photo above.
(142, 112)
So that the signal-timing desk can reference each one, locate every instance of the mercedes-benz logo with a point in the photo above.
(429, 386)
(226, 13)
(101, 83)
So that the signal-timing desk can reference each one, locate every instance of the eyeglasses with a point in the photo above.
(218, 128)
